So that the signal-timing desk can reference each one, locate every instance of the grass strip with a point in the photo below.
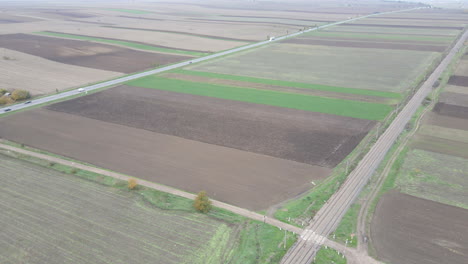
(328, 256)
(379, 36)
(363, 110)
(291, 84)
(131, 11)
(122, 43)
(346, 230)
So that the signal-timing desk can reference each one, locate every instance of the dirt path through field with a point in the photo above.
(159, 187)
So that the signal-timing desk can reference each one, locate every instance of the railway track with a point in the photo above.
(327, 219)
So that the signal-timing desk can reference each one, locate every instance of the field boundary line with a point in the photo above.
(240, 211)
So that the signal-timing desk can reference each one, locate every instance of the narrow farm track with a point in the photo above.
(327, 219)
(362, 246)
(159, 187)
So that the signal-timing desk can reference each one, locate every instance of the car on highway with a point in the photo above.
(81, 90)
(28, 102)
(7, 110)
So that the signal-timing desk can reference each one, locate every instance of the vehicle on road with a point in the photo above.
(7, 110)
(81, 90)
(28, 102)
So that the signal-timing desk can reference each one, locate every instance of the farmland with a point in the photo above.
(427, 212)
(274, 129)
(42, 76)
(415, 230)
(332, 66)
(62, 218)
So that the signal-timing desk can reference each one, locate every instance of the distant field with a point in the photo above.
(88, 54)
(373, 69)
(131, 11)
(169, 41)
(408, 32)
(364, 110)
(122, 43)
(41, 76)
(291, 84)
(382, 36)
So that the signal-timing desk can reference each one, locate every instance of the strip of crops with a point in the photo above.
(363, 110)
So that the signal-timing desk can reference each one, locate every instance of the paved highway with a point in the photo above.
(326, 220)
(86, 89)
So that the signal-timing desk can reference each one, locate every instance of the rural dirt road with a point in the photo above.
(159, 187)
(327, 219)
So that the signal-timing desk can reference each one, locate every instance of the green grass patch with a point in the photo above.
(300, 210)
(131, 11)
(259, 244)
(328, 256)
(347, 228)
(364, 110)
(122, 43)
(291, 84)
(442, 39)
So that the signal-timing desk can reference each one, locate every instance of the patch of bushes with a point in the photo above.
(17, 95)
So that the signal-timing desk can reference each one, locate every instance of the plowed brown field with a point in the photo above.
(410, 230)
(87, 54)
(301, 136)
(237, 177)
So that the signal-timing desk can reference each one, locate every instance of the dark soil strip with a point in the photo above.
(454, 99)
(441, 145)
(406, 229)
(192, 78)
(447, 121)
(374, 40)
(151, 45)
(87, 54)
(301, 136)
(311, 20)
(451, 110)
(360, 44)
(247, 22)
(458, 80)
(9, 21)
(185, 33)
(420, 18)
(70, 14)
(386, 33)
(399, 26)
(91, 22)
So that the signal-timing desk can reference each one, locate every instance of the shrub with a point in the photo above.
(6, 100)
(132, 183)
(20, 95)
(202, 203)
(51, 164)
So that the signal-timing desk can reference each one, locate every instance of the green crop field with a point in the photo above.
(291, 84)
(62, 218)
(435, 176)
(122, 43)
(371, 69)
(364, 110)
